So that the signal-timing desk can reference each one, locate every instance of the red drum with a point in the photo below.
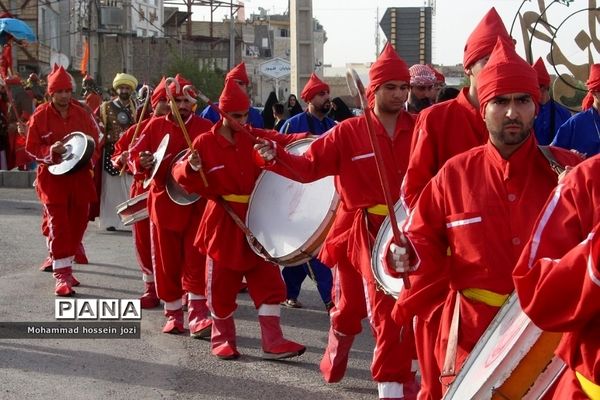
(134, 209)
(291, 219)
(388, 284)
(509, 360)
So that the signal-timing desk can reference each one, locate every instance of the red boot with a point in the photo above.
(74, 282)
(46, 265)
(335, 360)
(222, 339)
(63, 282)
(80, 257)
(174, 323)
(199, 323)
(149, 299)
(275, 346)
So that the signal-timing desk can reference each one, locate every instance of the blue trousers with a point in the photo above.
(318, 272)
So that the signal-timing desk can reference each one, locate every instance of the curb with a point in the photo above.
(17, 179)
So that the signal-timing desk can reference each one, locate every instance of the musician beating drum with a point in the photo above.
(481, 206)
(66, 198)
(225, 155)
(557, 277)
(347, 151)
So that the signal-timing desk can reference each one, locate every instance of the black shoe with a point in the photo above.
(111, 229)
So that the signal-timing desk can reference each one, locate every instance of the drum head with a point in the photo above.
(390, 285)
(159, 154)
(175, 191)
(287, 217)
(80, 148)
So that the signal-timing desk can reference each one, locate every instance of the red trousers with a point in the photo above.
(348, 295)
(178, 264)
(143, 247)
(66, 224)
(265, 286)
(426, 331)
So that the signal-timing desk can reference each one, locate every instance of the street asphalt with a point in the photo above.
(157, 365)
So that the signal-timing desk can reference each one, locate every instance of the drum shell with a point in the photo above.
(175, 192)
(134, 209)
(508, 359)
(388, 284)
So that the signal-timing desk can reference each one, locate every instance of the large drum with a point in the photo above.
(388, 284)
(134, 209)
(509, 360)
(291, 219)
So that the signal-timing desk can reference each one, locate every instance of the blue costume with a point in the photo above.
(581, 132)
(550, 117)
(254, 117)
(319, 272)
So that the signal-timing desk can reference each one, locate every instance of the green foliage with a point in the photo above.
(208, 79)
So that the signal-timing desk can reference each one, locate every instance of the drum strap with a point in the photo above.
(591, 389)
(449, 370)
(257, 245)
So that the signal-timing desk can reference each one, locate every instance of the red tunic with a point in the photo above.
(230, 168)
(46, 126)
(441, 132)
(557, 277)
(172, 216)
(482, 207)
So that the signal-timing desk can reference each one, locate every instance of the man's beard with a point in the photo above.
(325, 107)
(420, 104)
(124, 96)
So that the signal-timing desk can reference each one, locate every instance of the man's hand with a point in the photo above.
(562, 175)
(265, 149)
(58, 148)
(123, 158)
(194, 160)
(398, 258)
(146, 159)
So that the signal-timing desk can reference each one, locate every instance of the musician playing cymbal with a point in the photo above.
(66, 198)
(481, 206)
(178, 266)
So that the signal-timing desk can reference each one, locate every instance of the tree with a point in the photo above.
(208, 79)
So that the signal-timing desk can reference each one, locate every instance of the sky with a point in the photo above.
(351, 24)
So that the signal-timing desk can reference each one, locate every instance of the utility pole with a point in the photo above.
(377, 39)
(231, 36)
(127, 64)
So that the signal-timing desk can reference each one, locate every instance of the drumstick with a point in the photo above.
(143, 89)
(236, 126)
(356, 87)
(175, 112)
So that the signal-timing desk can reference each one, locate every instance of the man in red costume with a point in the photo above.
(558, 280)
(441, 132)
(226, 157)
(481, 206)
(178, 265)
(141, 229)
(66, 198)
(346, 151)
